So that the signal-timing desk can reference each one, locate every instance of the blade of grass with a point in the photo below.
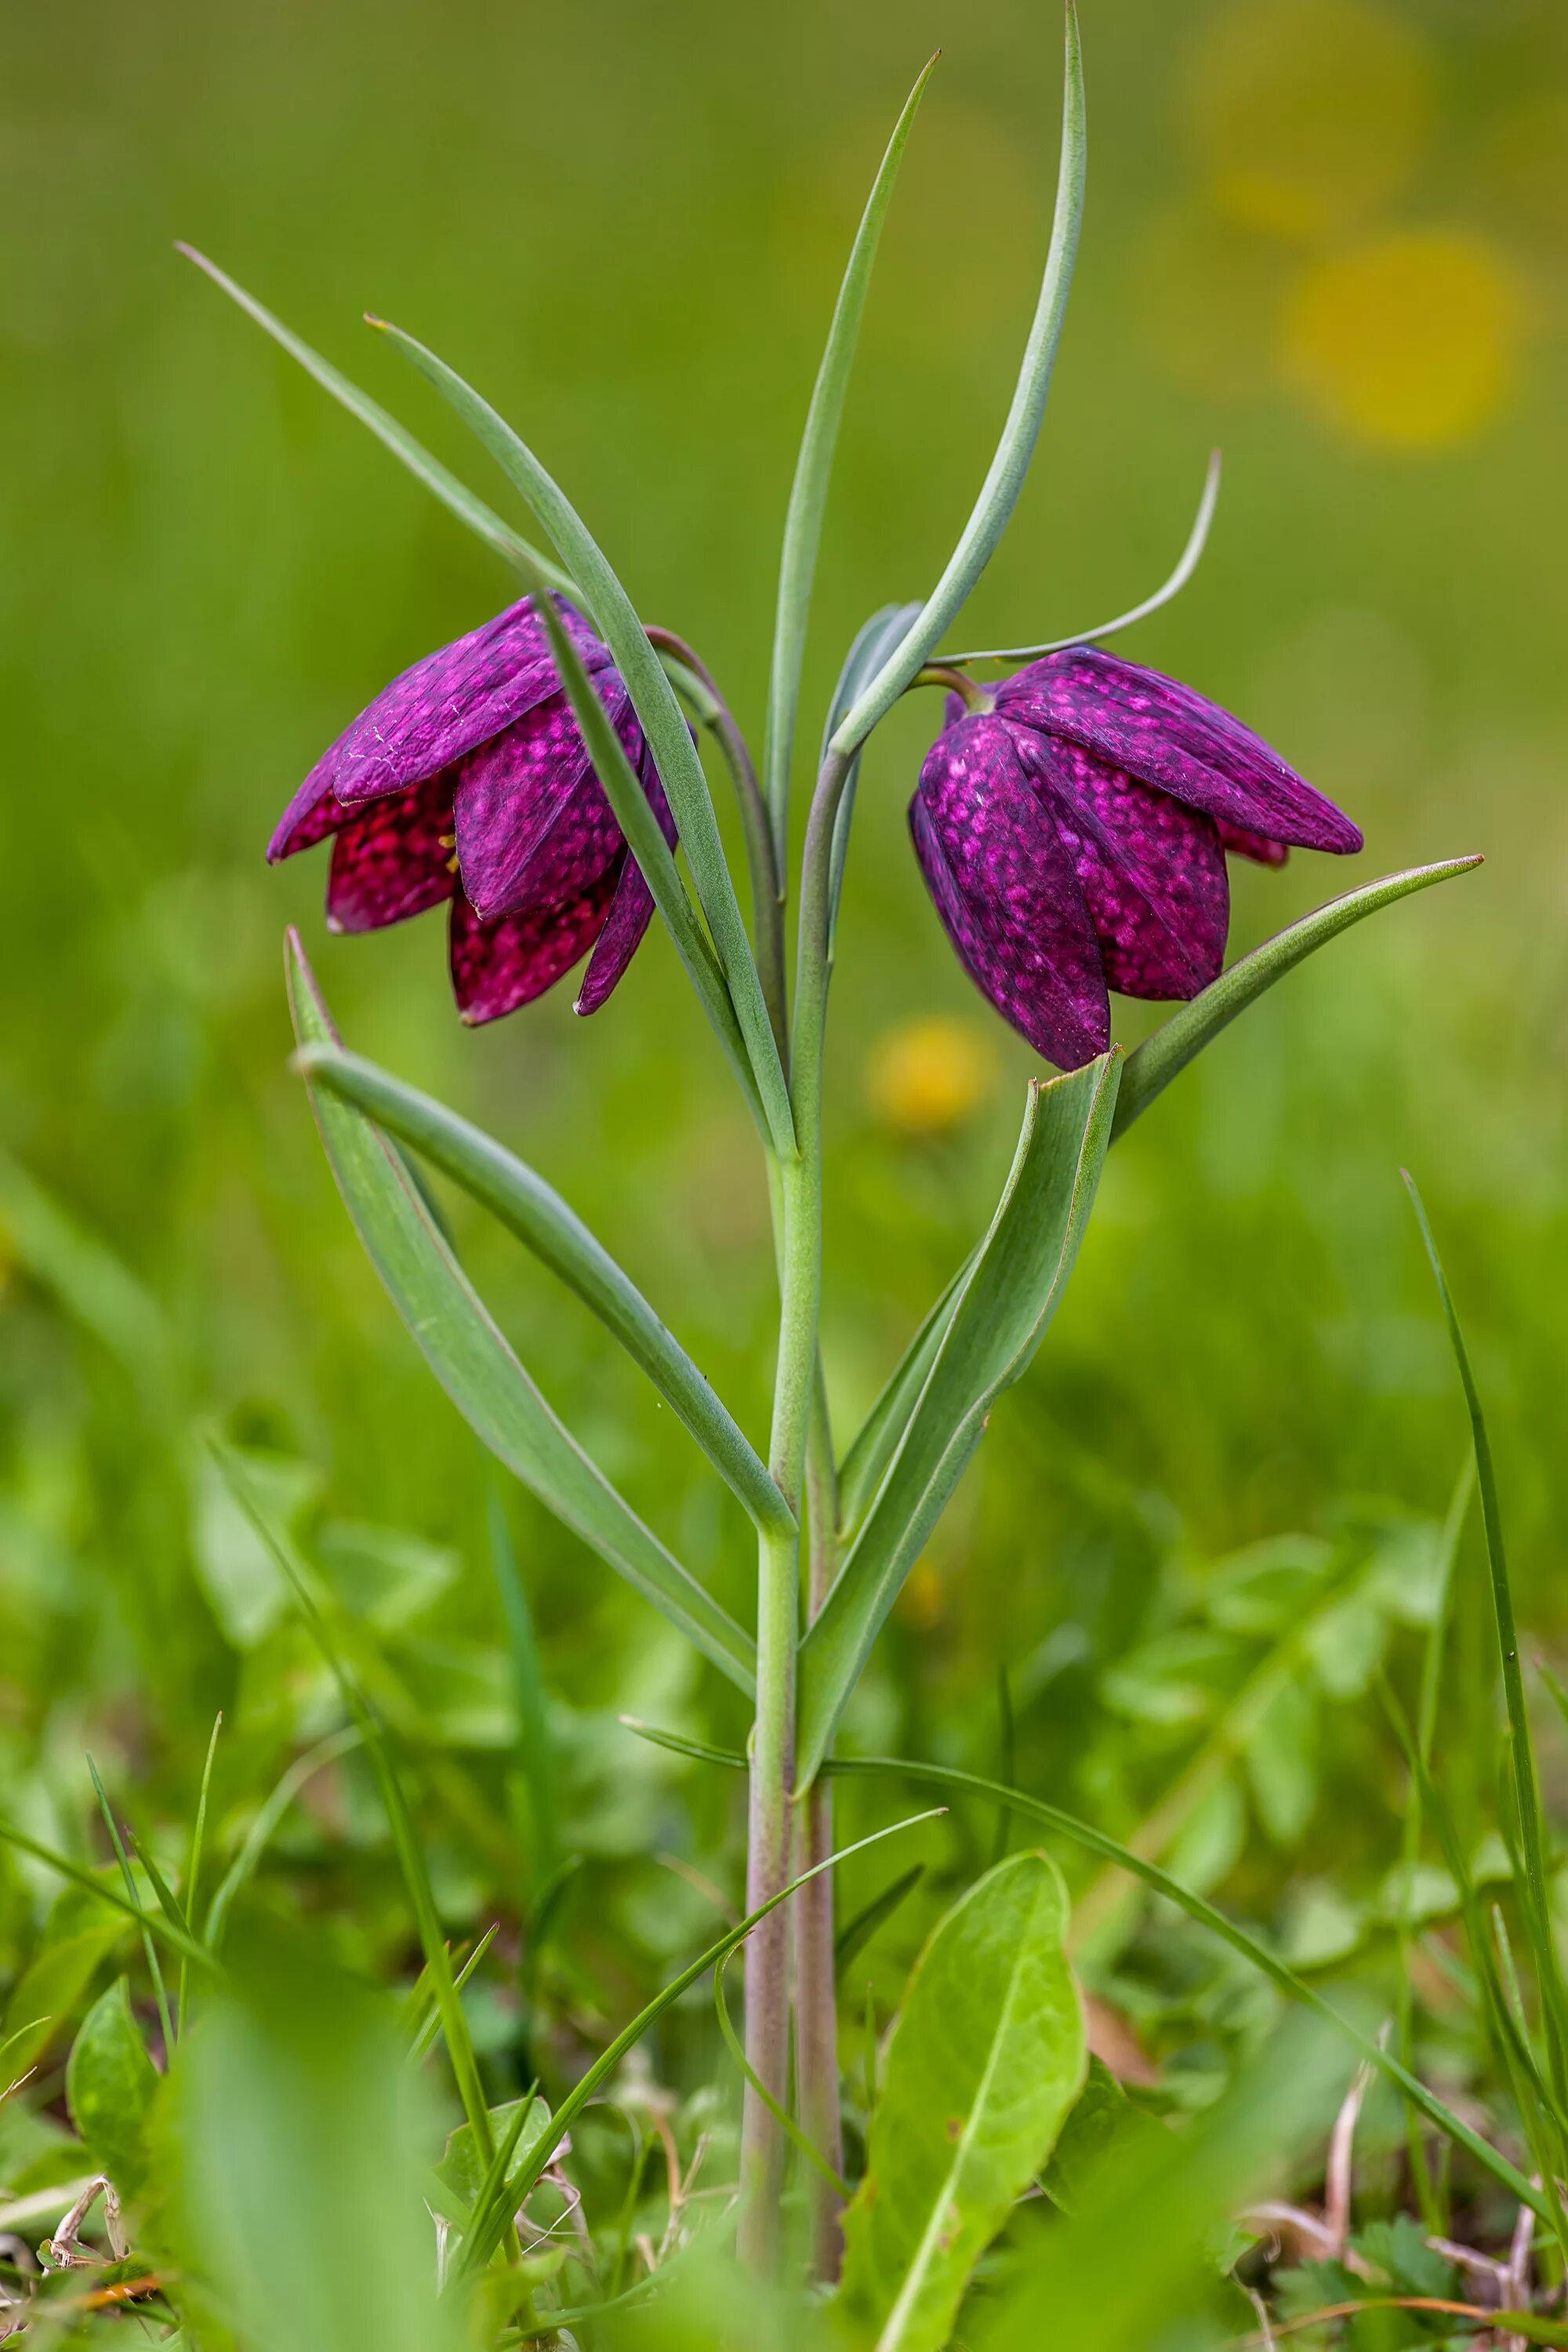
(781, 2114)
(1434, 2219)
(999, 493)
(658, 714)
(429, 2030)
(411, 1862)
(194, 1863)
(814, 468)
(1537, 1907)
(856, 1932)
(536, 1758)
(453, 494)
(148, 1921)
(154, 1970)
(259, 1835)
(1191, 557)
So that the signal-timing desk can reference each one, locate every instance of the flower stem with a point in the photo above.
(797, 1194)
(817, 2003)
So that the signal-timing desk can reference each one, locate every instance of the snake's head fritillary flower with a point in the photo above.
(1073, 835)
(466, 779)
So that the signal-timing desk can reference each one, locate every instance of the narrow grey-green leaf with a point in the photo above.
(453, 494)
(658, 714)
(1000, 491)
(814, 468)
(876, 1440)
(985, 2061)
(623, 789)
(110, 2083)
(1152, 1066)
(882, 633)
(1008, 1300)
(478, 1369)
(541, 1220)
(1168, 590)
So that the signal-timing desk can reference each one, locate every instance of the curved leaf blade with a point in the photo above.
(1000, 491)
(1152, 1066)
(454, 495)
(478, 1369)
(987, 2056)
(1168, 590)
(653, 698)
(1001, 1315)
(878, 1438)
(542, 1221)
(814, 468)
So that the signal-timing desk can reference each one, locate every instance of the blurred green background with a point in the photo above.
(1330, 236)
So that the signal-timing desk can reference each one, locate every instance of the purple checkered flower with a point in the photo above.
(466, 779)
(1073, 833)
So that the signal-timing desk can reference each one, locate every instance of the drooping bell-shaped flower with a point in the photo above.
(1073, 833)
(466, 779)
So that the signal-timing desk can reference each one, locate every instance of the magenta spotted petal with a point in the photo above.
(467, 780)
(1151, 870)
(1171, 738)
(498, 967)
(391, 859)
(1006, 887)
(538, 766)
(1073, 835)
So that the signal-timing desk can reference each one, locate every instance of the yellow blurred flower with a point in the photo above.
(1413, 341)
(926, 1076)
(1308, 114)
(922, 1602)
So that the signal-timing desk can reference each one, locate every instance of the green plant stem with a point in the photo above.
(797, 1198)
(797, 1194)
(817, 2008)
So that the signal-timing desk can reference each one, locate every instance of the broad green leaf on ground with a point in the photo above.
(1008, 1298)
(1152, 1066)
(987, 2059)
(462, 2169)
(814, 467)
(478, 1369)
(1134, 2260)
(542, 1221)
(1103, 2123)
(110, 2083)
(79, 1936)
(301, 2142)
